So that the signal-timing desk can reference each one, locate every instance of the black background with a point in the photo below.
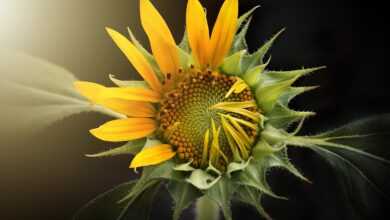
(346, 36)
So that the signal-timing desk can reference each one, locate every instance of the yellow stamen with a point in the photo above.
(205, 147)
(237, 87)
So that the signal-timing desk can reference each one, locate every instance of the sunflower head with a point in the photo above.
(208, 114)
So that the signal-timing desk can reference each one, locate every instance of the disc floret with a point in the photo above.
(209, 118)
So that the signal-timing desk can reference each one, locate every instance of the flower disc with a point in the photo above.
(193, 116)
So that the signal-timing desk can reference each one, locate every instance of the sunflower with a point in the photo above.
(208, 114)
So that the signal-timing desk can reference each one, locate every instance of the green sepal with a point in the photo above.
(254, 175)
(239, 42)
(244, 18)
(252, 196)
(222, 193)
(262, 149)
(234, 166)
(183, 194)
(276, 76)
(267, 95)
(184, 43)
(149, 57)
(293, 92)
(252, 76)
(257, 58)
(281, 159)
(202, 180)
(128, 83)
(232, 65)
(150, 175)
(131, 147)
(281, 116)
(185, 58)
(185, 167)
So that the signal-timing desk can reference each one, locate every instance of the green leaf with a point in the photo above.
(150, 175)
(281, 116)
(38, 93)
(131, 147)
(222, 193)
(128, 83)
(106, 206)
(140, 207)
(252, 196)
(232, 64)
(183, 195)
(347, 149)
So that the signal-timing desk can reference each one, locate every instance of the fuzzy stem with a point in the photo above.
(206, 209)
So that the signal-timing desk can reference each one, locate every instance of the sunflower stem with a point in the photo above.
(206, 209)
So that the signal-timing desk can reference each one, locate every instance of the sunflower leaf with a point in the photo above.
(183, 195)
(150, 175)
(252, 196)
(222, 193)
(347, 149)
(106, 206)
(131, 147)
(243, 18)
(38, 93)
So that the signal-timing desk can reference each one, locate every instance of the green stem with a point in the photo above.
(206, 209)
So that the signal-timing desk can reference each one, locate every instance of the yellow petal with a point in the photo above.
(223, 32)
(198, 32)
(136, 58)
(152, 155)
(132, 94)
(130, 108)
(125, 129)
(92, 91)
(161, 40)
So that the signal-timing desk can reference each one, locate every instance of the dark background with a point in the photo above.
(46, 176)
